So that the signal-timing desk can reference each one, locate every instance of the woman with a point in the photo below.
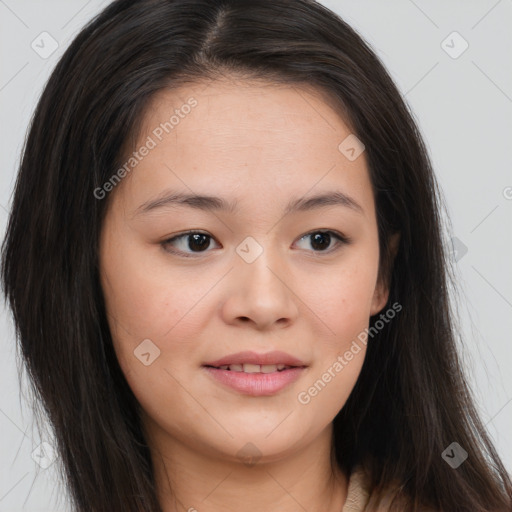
(225, 264)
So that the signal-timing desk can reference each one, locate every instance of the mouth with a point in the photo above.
(249, 373)
(253, 362)
(254, 368)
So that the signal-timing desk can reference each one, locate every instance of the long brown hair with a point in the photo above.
(411, 400)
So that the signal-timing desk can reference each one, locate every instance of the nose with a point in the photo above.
(261, 293)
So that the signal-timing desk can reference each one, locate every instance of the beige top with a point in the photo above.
(358, 492)
(359, 495)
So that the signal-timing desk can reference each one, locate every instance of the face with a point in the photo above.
(278, 271)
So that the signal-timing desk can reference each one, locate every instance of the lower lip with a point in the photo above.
(256, 384)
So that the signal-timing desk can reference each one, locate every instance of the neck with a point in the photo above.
(191, 478)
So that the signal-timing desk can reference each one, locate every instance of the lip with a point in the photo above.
(256, 384)
(250, 357)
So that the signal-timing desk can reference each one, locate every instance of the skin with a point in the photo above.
(261, 144)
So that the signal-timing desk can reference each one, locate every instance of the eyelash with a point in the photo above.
(342, 240)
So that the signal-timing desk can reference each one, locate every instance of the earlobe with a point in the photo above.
(380, 297)
(381, 294)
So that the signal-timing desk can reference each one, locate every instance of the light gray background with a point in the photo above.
(463, 106)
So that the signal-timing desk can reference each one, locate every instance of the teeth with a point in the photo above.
(254, 368)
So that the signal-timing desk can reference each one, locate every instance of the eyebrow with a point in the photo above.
(211, 203)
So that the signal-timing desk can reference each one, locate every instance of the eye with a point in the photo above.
(321, 240)
(191, 240)
(198, 242)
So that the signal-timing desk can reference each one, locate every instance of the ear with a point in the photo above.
(381, 294)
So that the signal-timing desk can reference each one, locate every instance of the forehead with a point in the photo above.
(235, 104)
(253, 137)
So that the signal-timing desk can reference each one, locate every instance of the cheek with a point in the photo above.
(343, 298)
(333, 377)
(144, 296)
(345, 311)
(145, 301)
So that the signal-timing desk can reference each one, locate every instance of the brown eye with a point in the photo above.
(191, 242)
(321, 240)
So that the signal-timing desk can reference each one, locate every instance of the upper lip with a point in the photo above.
(249, 357)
